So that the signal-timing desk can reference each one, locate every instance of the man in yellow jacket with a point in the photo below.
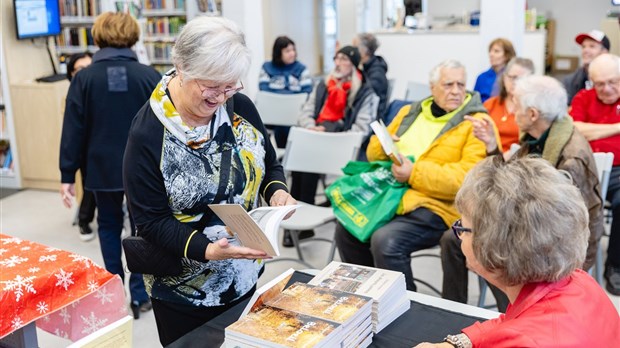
(444, 147)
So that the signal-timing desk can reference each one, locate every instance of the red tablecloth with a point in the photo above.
(68, 294)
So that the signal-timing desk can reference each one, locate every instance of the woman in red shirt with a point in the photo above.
(501, 108)
(524, 228)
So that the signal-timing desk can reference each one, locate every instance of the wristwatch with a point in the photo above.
(454, 340)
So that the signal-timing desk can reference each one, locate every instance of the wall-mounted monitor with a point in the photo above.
(36, 18)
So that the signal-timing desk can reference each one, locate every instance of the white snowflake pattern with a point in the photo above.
(46, 319)
(104, 296)
(12, 240)
(26, 248)
(79, 258)
(92, 323)
(16, 323)
(51, 249)
(13, 261)
(64, 279)
(64, 314)
(61, 333)
(33, 269)
(19, 285)
(42, 307)
(2, 251)
(43, 258)
(92, 285)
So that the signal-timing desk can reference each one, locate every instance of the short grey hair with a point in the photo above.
(368, 42)
(543, 93)
(435, 74)
(603, 60)
(529, 222)
(211, 48)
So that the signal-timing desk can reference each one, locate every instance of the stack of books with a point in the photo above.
(302, 315)
(387, 289)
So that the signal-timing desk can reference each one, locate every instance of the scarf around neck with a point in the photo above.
(194, 137)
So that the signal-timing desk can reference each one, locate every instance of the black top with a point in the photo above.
(374, 72)
(150, 189)
(102, 101)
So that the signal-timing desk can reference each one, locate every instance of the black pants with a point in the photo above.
(303, 186)
(175, 320)
(86, 214)
(455, 273)
(613, 196)
(391, 245)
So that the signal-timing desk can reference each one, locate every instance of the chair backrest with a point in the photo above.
(320, 152)
(604, 161)
(417, 91)
(390, 88)
(279, 109)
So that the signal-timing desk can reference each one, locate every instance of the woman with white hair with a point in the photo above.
(198, 142)
(524, 228)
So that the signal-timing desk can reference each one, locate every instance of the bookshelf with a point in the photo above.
(9, 170)
(160, 22)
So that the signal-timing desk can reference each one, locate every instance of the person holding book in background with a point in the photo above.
(540, 112)
(101, 104)
(533, 254)
(284, 74)
(198, 142)
(86, 213)
(501, 107)
(340, 103)
(434, 131)
(501, 52)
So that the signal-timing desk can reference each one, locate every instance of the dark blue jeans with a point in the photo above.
(391, 245)
(110, 223)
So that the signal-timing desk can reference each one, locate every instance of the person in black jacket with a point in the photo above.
(198, 142)
(102, 101)
(593, 44)
(374, 68)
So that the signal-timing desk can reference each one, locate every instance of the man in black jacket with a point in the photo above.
(593, 44)
(374, 68)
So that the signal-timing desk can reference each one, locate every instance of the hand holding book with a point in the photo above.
(386, 140)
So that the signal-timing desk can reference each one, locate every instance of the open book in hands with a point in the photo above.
(257, 229)
(385, 138)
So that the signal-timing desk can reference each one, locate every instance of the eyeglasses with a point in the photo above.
(602, 84)
(458, 229)
(214, 92)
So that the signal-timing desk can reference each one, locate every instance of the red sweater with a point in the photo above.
(586, 107)
(505, 122)
(573, 312)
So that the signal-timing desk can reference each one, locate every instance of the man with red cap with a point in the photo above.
(592, 44)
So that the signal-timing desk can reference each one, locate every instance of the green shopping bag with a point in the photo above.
(366, 198)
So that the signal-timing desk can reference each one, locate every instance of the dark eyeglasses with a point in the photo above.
(458, 229)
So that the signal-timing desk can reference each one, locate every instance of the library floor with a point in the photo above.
(39, 216)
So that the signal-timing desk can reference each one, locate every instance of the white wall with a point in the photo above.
(298, 20)
(573, 17)
(443, 8)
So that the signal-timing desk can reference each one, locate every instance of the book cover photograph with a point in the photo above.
(282, 327)
(322, 302)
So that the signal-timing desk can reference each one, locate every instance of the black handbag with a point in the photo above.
(144, 257)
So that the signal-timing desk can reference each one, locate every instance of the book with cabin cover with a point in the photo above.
(256, 229)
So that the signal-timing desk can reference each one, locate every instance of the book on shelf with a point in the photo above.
(386, 288)
(385, 139)
(350, 314)
(257, 229)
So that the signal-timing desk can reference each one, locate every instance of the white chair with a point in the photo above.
(279, 109)
(604, 162)
(417, 91)
(321, 153)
